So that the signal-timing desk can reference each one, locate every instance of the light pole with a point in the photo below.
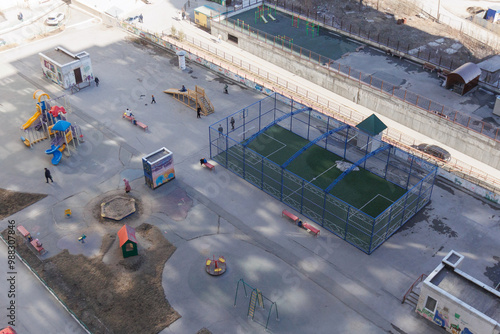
(439, 6)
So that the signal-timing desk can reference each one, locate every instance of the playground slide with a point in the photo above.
(31, 120)
(263, 18)
(57, 154)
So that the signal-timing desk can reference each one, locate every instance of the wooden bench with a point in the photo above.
(135, 122)
(38, 246)
(289, 215)
(429, 67)
(141, 125)
(311, 228)
(24, 232)
(208, 165)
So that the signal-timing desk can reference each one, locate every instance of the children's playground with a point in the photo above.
(49, 122)
(293, 31)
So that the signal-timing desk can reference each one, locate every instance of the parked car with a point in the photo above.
(7, 330)
(54, 19)
(435, 151)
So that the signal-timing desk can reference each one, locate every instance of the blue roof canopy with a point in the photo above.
(61, 126)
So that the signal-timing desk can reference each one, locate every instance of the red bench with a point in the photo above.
(311, 228)
(142, 125)
(208, 165)
(289, 215)
(135, 122)
(24, 232)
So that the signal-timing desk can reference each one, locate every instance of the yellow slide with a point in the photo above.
(31, 120)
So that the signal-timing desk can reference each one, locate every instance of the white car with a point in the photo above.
(54, 19)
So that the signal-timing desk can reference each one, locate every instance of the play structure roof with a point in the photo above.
(55, 110)
(372, 125)
(125, 234)
(61, 126)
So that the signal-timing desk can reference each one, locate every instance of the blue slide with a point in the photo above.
(57, 154)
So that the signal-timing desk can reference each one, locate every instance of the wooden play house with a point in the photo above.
(128, 242)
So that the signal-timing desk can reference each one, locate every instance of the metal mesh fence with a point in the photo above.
(390, 165)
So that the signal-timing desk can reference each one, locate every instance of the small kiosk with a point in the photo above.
(203, 14)
(158, 167)
(67, 69)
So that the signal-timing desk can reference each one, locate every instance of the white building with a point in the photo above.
(67, 69)
(458, 302)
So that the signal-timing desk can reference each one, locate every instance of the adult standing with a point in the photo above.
(96, 81)
(153, 99)
(232, 123)
(221, 130)
(198, 112)
(48, 176)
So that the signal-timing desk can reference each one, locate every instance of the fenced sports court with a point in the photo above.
(293, 32)
(352, 184)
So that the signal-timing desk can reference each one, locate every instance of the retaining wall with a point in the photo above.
(458, 137)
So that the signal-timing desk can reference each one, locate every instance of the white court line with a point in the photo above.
(360, 209)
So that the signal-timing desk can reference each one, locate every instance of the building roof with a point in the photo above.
(372, 125)
(468, 72)
(207, 10)
(61, 56)
(125, 234)
(491, 64)
(466, 289)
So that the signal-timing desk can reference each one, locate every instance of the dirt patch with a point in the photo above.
(13, 201)
(123, 296)
(379, 17)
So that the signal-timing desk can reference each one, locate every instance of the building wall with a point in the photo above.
(460, 138)
(451, 314)
(64, 76)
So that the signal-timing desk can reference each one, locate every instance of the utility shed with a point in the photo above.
(458, 302)
(371, 127)
(128, 242)
(490, 70)
(203, 15)
(464, 78)
(67, 69)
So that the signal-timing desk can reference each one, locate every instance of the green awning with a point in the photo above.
(372, 125)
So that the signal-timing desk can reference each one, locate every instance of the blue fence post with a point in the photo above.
(302, 196)
(324, 210)
(210, 141)
(371, 237)
(387, 163)
(244, 161)
(404, 209)
(309, 124)
(262, 173)
(345, 143)
(260, 113)
(347, 222)
(409, 173)
(388, 222)
(282, 177)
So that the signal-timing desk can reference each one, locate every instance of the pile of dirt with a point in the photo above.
(13, 201)
(123, 296)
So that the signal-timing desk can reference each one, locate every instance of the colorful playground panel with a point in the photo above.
(158, 167)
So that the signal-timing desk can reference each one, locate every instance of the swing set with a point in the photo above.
(257, 298)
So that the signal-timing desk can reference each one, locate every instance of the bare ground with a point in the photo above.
(13, 201)
(123, 296)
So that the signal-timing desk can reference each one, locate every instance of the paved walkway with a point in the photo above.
(320, 281)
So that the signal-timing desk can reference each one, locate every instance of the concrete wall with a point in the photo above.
(460, 138)
(451, 314)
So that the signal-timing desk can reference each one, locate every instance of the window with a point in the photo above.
(430, 304)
